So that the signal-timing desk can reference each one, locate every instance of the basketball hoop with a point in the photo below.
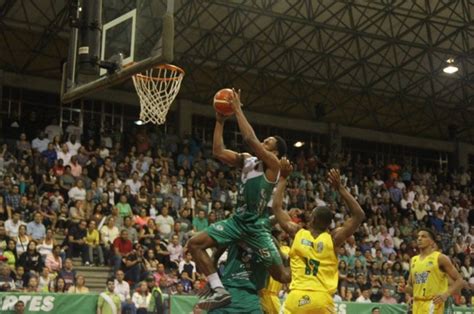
(157, 88)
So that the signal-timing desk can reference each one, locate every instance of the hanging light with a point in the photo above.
(298, 144)
(451, 67)
(139, 122)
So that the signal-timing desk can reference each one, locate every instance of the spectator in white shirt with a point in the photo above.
(78, 192)
(40, 143)
(175, 249)
(165, 223)
(364, 297)
(74, 129)
(467, 271)
(53, 130)
(134, 183)
(122, 289)
(65, 155)
(109, 232)
(73, 145)
(12, 225)
(103, 151)
(141, 298)
(464, 178)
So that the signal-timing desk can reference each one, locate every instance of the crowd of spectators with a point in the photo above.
(134, 206)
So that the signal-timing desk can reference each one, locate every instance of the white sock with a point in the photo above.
(215, 281)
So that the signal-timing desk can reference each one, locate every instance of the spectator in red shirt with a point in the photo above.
(122, 247)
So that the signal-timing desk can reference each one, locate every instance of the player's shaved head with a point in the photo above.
(281, 146)
(321, 218)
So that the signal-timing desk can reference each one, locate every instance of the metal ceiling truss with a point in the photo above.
(60, 20)
(392, 51)
(51, 16)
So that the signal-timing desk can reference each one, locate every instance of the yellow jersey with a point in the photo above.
(427, 279)
(313, 262)
(274, 286)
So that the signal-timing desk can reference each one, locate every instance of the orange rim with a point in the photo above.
(165, 66)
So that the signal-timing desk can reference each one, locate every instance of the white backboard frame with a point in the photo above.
(129, 15)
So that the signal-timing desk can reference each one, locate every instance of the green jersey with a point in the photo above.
(244, 269)
(255, 191)
(244, 275)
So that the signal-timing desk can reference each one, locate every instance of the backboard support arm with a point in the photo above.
(69, 94)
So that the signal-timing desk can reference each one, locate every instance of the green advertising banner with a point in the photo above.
(186, 305)
(87, 303)
(368, 308)
(50, 303)
(461, 310)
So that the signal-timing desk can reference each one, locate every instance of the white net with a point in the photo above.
(157, 88)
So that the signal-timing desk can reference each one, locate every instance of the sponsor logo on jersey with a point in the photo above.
(430, 263)
(421, 278)
(319, 247)
(306, 242)
(304, 300)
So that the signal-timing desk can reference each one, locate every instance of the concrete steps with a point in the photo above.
(95, 276)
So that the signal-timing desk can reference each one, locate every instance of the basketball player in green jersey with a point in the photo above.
(250, 222)
(244, 276)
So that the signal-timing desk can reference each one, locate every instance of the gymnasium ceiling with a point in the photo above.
(369, 64)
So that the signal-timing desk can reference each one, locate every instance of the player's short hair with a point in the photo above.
(322, 217)
(281, 146)
(430, 232)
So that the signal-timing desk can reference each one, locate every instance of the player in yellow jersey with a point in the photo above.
(269, 295)
(313, 258)
(428, 280)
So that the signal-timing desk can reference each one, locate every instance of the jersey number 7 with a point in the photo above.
(312, 266)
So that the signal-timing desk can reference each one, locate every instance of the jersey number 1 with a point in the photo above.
(312, 266)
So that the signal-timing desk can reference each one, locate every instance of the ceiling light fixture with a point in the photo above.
(451, 67)
(298, 144)
(139, 122)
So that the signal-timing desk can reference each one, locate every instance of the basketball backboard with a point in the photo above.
(140, 30)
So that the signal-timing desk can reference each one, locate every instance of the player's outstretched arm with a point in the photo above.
(248, 134)
(458, 283)
(282, 216)
(357, 213)
(218, 149)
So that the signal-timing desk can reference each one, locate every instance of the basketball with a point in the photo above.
(221, 103)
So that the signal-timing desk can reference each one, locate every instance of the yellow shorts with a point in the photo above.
(314, 302)
(427, 307)
(270, 302)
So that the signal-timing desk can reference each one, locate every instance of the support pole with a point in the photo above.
(89, 48)
(74, 13)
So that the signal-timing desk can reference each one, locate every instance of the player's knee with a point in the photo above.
(193, 243)
(200, 241)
